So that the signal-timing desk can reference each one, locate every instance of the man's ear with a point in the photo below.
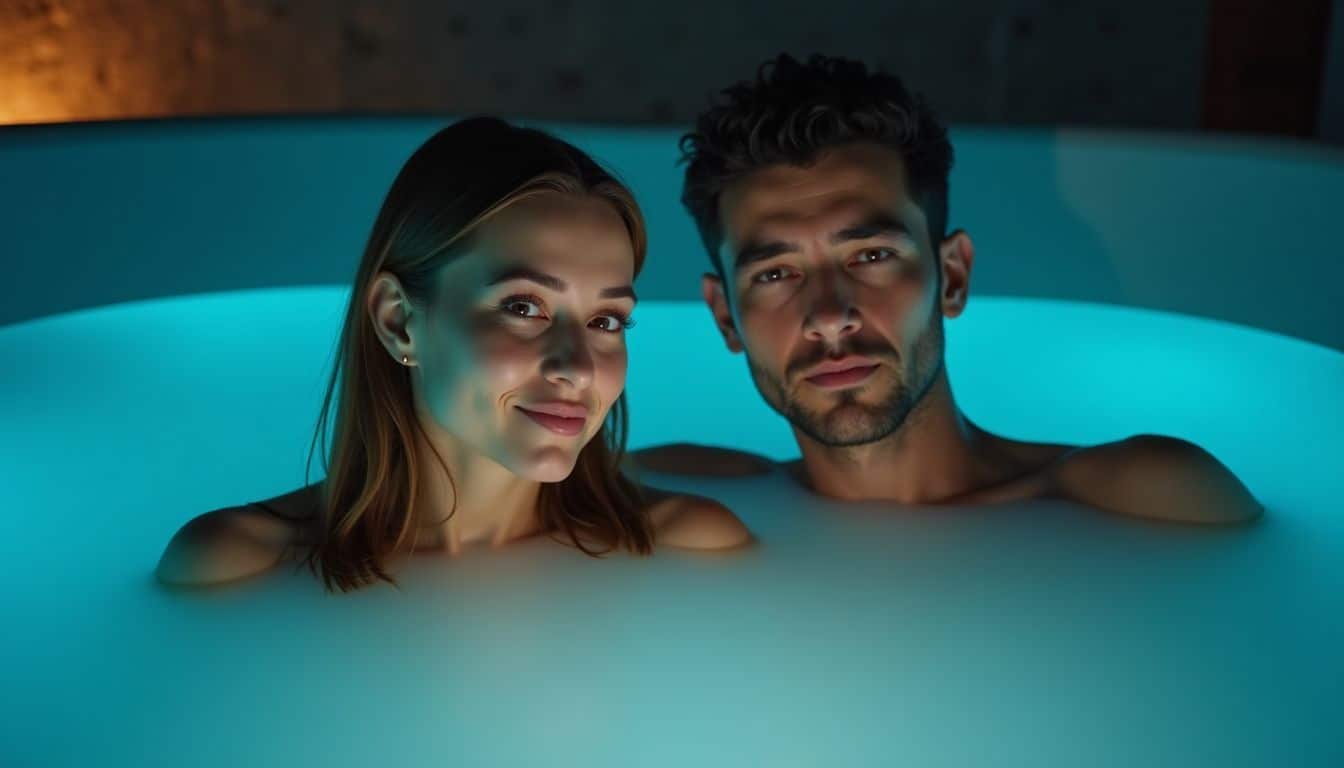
(711, 288)
(956, 256)
(390, 310)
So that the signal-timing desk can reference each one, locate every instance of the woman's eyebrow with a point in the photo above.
(554, 283)
(619, 291)
(527, 273)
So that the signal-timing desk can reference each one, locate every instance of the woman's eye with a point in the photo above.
(521, 308)
(771, 275)
(876, 254)
(613, 323)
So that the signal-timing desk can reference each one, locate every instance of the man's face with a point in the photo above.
(832, 289)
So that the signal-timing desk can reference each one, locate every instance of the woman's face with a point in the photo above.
(521, 351)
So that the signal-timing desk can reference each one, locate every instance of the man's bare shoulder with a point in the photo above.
(1154, 476)
(700, 460)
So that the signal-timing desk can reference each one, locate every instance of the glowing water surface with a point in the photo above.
(861, 634)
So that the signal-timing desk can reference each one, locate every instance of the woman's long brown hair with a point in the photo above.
(461, 176)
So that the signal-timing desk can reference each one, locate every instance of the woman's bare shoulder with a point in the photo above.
(685, 521)
(232, 543)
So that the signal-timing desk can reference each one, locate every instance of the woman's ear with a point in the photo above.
(956, 256)
(390, 310)
(711, 288)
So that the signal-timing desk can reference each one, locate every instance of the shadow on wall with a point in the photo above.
(1228, 228)
(102, 213)
(1030, 240)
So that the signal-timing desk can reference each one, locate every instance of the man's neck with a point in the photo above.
(936, 454)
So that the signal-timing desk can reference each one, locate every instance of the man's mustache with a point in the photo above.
(871, 349)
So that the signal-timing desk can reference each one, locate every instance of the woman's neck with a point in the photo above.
(484, 504)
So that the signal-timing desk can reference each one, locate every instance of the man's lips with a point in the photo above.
(560, 417)
(841, 373)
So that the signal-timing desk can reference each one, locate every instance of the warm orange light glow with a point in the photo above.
(38, 71)
(22, 102)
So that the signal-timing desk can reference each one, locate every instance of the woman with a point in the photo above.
(477, 391)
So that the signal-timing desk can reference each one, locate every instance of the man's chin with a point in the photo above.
(844, 424)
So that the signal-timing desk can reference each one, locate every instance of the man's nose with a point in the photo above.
(832, 314)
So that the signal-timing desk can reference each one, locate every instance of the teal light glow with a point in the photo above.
(860, 634)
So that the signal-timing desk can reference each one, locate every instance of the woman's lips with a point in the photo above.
(551, 418)
(842, 378)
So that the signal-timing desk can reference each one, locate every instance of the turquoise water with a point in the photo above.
(860, 634)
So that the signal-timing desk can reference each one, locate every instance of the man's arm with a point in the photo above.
(698, 461)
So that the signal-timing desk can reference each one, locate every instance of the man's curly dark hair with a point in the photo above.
(792, 112)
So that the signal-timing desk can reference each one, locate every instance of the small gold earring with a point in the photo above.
(405, 360)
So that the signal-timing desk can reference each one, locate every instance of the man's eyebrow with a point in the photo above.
(753, 251)
(554, 283)
(879, 225)
(876, 225)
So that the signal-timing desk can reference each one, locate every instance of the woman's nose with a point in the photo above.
(568, 360)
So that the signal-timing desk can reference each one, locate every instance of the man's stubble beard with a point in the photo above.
(849, 422)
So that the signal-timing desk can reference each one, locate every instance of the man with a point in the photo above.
(820, 193)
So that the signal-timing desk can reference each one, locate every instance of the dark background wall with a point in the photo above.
(1185, 65)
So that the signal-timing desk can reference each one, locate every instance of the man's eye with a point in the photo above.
(876, 254)
(771, 275)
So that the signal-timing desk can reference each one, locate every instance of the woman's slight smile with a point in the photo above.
(522, 351)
